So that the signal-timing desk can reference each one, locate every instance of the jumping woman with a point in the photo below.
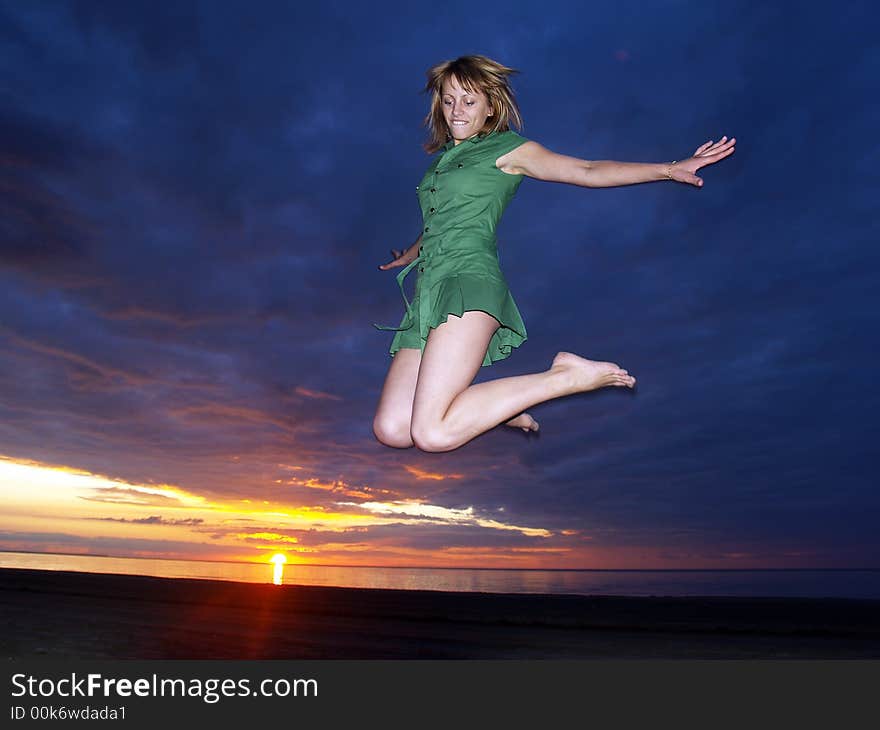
(462, 315)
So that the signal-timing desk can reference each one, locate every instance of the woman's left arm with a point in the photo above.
(533, 160)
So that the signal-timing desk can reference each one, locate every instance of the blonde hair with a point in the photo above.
(473, 73)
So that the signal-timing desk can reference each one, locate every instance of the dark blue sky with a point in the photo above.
(195, 198)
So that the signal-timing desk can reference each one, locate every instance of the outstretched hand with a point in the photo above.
(707, 154)
(399, 258)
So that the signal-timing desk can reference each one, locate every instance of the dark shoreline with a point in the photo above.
(57, 614)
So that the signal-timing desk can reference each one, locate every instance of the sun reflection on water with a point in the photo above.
(279, 560)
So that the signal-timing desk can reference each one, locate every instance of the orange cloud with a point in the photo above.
(218, 412)
(337, 487)
(152, 520)
(422, 474)
(272, 537)
(106, 371)
(122, 495)
(170, 318)
(316, 394)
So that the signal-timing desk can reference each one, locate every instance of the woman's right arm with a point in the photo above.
(402, 258)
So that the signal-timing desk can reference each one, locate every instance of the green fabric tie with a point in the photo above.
(408, 320)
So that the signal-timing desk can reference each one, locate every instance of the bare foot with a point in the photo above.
(580, 375)
(523, 421)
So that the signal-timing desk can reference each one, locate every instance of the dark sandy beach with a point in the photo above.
(90, 616)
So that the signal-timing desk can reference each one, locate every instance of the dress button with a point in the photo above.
(460, 165)
(421, 268)
(427, 228)
(421, 248)
(433, 190)
(432, 210)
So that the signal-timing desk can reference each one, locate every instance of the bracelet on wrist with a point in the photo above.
(669, 169)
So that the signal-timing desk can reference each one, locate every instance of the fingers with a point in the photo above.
(713, 157)
(722, 145)
(711, 147)
(396, 256)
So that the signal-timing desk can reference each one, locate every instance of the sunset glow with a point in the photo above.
(57, 508)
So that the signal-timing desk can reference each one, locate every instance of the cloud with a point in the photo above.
(337, 487)
(443, 514)
(142, 495)
(316, 394)
(66, 542)
(422, 474)
(153, 520)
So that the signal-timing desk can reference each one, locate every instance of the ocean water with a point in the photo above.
(745, 583)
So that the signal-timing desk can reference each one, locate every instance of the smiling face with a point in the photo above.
(465, 111)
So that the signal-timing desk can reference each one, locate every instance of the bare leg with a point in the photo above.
(448, 411)
(391, 424)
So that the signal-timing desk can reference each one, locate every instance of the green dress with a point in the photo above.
(462, 197)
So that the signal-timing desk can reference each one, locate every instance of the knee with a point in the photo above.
(429, 437)
(392, 432)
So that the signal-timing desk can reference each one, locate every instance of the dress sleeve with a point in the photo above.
(511, 140)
